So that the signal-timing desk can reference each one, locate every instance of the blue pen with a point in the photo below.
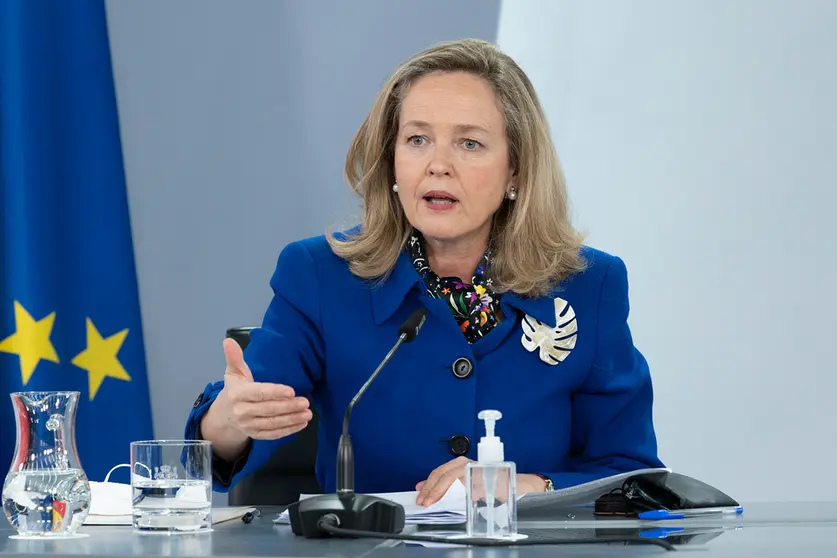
(695, 512)
(660, 533)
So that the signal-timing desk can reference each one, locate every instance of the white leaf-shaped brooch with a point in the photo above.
(555, 343)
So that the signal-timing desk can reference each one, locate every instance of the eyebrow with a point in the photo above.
(461, 128)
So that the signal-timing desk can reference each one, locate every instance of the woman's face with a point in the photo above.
(451, 157)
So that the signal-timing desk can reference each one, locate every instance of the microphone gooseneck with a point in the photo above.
(358, 511)
(347, 417)
(345, 455)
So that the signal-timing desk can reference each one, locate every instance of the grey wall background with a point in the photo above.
(235, 118)
(699, 139)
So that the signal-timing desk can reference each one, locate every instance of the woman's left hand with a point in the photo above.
(431, 490)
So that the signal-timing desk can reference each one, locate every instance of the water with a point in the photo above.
(46, 502)
(170, 505)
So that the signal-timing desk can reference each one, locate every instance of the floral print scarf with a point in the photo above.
(474, 306)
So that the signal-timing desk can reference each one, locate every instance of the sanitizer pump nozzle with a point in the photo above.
(490, 448)
(490, 486)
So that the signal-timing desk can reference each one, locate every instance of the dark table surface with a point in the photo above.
(767, 530)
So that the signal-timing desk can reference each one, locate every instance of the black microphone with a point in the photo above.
(355, 511)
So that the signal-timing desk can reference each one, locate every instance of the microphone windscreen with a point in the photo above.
(411, 326)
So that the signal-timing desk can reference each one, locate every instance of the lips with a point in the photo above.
(439, 197)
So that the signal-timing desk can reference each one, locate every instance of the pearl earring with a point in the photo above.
(512, 194)
(395, 187)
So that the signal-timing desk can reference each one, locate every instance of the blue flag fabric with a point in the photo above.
(69, 307)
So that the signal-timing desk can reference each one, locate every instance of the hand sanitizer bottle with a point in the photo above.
(490, 487)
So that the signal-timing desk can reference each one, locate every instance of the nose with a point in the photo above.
(440, 164)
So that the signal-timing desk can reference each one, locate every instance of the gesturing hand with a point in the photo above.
(262, 411)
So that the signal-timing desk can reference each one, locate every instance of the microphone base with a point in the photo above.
(355, 511)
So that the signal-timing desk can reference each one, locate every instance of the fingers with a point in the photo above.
(459, 462)
(440, 480)
(430, 494)
(235, 360)
(243, 411)
(278, 433)
(278, 422)
(269, 420)
(261, 392)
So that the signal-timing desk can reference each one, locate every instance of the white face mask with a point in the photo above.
(113, 498)
(110, 498)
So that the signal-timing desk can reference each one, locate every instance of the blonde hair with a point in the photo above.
(533, 244)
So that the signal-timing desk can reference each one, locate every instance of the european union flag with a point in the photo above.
(69, 308)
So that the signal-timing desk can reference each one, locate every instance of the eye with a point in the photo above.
(416, 141)
(471, 145)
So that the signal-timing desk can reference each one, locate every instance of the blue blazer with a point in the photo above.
(573, 415)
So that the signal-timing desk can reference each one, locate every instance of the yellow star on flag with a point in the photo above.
(99, 358)
(30, 341)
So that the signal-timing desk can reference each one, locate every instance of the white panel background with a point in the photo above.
(699, 139)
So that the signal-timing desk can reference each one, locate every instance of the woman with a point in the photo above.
(464, 213)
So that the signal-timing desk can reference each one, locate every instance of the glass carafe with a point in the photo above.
(46, 493)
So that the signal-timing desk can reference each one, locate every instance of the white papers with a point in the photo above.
(450, 509)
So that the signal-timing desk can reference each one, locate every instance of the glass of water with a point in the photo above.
(171, 481)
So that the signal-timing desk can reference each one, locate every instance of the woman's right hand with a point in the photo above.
(259, 410)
